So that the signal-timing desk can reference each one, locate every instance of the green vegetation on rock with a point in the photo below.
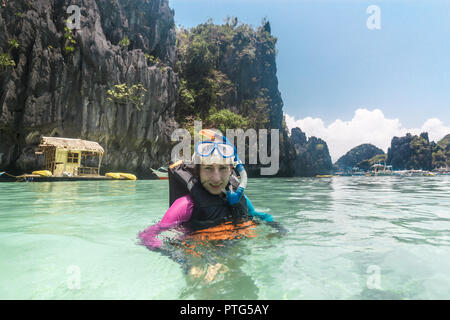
(151, 59)
(5, 58)
(410, 152)
(444, 143)
(223, 69)
(122, 94)
(441, 153)
(68, 35)
(227, 79)
(69, 41)
(69, 49)
(225, 119)
(125, 42)
(13, 43)
(6, 61)
(367, 163)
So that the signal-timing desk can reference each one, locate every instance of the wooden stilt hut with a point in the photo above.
(71, 157)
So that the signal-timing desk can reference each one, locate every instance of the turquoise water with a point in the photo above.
(349, 238)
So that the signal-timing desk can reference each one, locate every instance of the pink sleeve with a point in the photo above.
(180, 211)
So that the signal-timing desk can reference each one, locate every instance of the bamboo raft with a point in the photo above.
(68, 159)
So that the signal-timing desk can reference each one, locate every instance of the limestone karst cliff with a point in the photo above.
(312, 155)
(55, 81)
(60, 78)
(417, 152)
(229, 71)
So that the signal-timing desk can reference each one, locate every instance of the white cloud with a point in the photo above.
(365, 127)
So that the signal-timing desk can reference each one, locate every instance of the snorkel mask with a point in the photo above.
(219, 150)
(209, 152)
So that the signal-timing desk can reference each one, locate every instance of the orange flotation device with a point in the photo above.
(226, 231)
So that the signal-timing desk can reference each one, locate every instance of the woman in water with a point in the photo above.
(208, 211)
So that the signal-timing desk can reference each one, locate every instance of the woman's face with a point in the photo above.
(215, 177)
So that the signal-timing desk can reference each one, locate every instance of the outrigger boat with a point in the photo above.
(381, 170)
(69, 160)
(162, 173)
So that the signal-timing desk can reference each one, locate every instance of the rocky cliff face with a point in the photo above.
(441, 153)
(417, 152)
(230, 70)
(59, 84)
(55, 80)
(410, 152)
(313, 157)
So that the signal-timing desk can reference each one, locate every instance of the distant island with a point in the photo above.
(362, 156)
(410, 152)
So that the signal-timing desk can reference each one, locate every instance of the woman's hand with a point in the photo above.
(210, 273)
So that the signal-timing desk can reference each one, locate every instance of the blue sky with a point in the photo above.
(330, 64)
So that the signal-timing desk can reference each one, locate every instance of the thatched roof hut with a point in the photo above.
(71, 157)
(70, 144)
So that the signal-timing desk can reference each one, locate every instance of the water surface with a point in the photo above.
(349, 238)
